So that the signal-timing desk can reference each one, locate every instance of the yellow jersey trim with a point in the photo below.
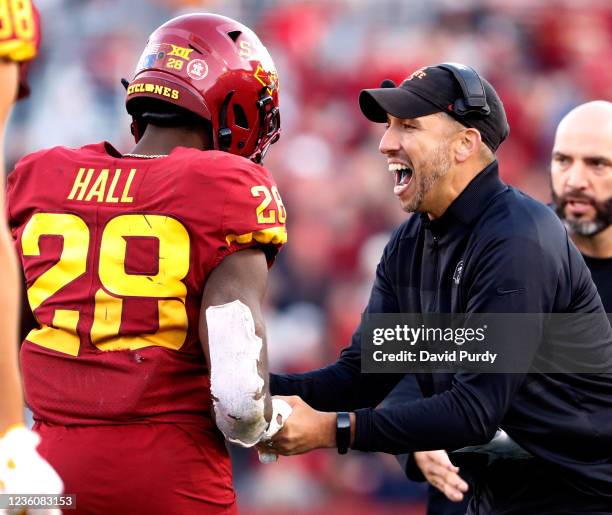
(273, 235)
(17, 50)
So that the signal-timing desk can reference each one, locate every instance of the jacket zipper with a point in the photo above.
(437, 281)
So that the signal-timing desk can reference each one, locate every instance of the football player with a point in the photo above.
(22, 470)
(146, 273)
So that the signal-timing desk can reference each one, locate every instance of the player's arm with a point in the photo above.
(22, 470)
(19, 38)
(11, 404)
(232, 333)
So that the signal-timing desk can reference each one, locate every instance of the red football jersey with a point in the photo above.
(19, 36)
(116, 252)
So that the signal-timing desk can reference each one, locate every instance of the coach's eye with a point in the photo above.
(598, 163)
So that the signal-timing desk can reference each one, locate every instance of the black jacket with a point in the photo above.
(495, 250)
(601, 271)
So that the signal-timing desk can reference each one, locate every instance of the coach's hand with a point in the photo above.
(441, 473)
(23, 470)
(306, 429)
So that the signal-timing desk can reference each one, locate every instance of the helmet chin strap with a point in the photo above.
(266, 117)
(134, 128)
(224, 134)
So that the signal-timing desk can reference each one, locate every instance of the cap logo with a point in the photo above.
(418, 74)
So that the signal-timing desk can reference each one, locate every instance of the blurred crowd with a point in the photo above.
(543, 57)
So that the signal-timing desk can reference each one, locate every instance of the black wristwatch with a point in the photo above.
(343, 432)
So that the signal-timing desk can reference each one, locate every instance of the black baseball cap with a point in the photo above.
(435, 89)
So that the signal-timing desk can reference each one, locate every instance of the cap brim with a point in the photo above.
(376, 103)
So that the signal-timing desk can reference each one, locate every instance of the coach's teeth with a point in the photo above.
(396, 167)
(402, 172)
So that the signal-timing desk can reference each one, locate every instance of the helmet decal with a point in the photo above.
(197, 69)
(218, 69)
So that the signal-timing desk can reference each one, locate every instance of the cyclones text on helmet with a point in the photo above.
(217, 68)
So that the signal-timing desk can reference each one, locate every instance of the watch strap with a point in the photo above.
(343, 432)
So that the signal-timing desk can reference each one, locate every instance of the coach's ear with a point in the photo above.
(467, 144)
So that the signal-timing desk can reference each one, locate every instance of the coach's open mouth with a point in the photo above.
(403, 173)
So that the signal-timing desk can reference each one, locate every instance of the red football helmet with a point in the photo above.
(218, 69)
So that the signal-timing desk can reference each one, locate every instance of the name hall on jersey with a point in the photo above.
(86, 188)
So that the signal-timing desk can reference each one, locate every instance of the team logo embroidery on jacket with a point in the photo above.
(458, 272)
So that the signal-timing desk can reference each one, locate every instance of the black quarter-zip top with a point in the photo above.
(494, 250)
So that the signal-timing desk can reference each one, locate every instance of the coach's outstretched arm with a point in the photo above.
(233, 337)
(475, 404)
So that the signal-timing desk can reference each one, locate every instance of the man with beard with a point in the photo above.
(477, 245)
(581, 172)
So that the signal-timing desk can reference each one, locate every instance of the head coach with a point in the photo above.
(581, 184)
(476, 245)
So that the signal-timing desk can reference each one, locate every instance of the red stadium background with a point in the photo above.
(543, 57)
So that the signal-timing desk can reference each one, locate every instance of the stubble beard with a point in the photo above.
(431, 171)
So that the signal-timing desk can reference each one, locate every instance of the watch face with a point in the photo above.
(343, 420)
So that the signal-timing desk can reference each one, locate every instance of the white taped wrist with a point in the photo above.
(280, 413)
(235, 383)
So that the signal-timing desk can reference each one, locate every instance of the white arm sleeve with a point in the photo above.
(235, 383)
